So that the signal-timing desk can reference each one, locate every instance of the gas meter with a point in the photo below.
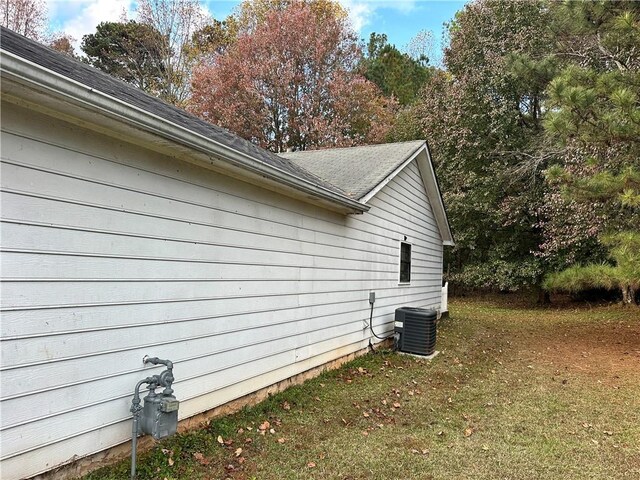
(159, 415)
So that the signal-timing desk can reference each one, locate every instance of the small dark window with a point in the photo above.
(405, 262)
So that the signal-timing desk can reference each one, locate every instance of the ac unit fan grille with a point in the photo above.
(418, 331)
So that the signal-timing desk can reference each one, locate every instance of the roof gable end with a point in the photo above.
(356, 170)
(361, 172)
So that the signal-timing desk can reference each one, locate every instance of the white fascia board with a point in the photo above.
(31, 75)
(428, 174)
(372, 193)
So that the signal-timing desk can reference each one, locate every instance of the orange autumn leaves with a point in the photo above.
(293, 82)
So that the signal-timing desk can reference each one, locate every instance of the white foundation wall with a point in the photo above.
(111, 252)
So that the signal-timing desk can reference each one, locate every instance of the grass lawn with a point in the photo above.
(516, 393)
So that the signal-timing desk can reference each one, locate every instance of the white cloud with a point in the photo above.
(361, 12)
(405, 6)
(205, 10)
(80, 17)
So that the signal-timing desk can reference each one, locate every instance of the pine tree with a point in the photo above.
(622, 272)
(594, 114)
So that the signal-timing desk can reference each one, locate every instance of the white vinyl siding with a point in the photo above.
(111, 252)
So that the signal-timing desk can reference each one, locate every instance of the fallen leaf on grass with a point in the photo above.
(286, 406)
(311, 465)
(396, 405)
(170, 462)
(264, 425)
(238, 452)
(220, 440)
(608, 432)
(201, 459)
(468, 432)
(281, 440)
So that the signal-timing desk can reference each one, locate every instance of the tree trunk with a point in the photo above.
(628, 295)
(544, 298)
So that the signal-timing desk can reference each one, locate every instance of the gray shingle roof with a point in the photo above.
(355, 170)
(100, 81)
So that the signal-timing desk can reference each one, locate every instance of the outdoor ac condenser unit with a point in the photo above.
(416, 330)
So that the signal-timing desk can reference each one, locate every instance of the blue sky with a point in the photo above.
(399, 19)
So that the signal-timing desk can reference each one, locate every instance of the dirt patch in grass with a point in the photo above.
(601, 343)
(608, 350)
(516, 393)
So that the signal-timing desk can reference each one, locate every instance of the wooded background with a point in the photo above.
(533, 118)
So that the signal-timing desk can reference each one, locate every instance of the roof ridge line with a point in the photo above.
(354, 147)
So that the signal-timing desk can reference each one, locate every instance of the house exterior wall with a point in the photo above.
(111, 252)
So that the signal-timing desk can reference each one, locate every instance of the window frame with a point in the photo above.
(401, 262)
